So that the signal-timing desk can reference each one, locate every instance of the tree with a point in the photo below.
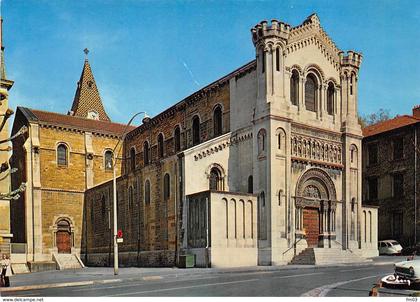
(5, 169)
(374, 118)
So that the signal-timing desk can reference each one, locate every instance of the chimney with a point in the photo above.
(416, 111)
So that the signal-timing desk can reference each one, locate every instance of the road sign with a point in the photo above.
(119, 234)
(120, 240)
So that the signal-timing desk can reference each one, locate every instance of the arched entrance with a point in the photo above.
(315, 203)
(63, 237)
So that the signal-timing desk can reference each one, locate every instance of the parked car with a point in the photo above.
(389, 247)
(408, 270)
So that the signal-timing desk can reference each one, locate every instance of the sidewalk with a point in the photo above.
(100, 275)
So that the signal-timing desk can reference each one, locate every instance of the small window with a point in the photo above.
(311, 88)
(166, 187)
(177, 138)
(147, 192)
(373, 188)
(294, 87)
(398, 148)
(373, 153)
(263, 61)
(278, 59)
(261, 141)
(146, 153)
(250, 184)
(330, 98)
(217, 121)
(132, 159)
(351, 84)
(215, 179)
(398, 185)
(108, 160)
(160, 145)
(196, 130)
(62, 155)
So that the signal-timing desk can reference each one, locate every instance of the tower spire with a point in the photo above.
(87, 102)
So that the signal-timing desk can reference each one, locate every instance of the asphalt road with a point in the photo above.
(342, 281)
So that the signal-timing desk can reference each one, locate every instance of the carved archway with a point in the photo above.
(315, 207)
(316, 183)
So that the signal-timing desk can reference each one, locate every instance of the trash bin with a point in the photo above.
(187, 261)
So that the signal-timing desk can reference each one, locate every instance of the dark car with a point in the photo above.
(411, 250)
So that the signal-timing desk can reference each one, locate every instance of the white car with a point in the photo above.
(408, 270)
(389, 247)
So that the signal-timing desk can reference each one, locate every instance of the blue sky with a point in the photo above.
(148, 55)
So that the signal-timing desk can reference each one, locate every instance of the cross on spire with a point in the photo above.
(86, 51)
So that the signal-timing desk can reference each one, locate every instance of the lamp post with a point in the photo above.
(114, 185)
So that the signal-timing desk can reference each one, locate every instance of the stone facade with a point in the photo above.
(59, 158)
(282, 128)
(391, 176)
(5, 112)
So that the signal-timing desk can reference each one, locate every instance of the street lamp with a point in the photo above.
(114, 184)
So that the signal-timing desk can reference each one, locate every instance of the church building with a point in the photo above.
(59, 158)
(262, 166)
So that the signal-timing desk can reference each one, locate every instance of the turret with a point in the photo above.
(350, 64)
(269, 41)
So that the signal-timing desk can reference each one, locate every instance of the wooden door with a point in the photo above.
(311, 226)
(63, 242)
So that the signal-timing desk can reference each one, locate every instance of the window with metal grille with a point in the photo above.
(215, 179)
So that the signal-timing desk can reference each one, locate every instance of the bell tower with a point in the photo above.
(270, 41)
(350, 64)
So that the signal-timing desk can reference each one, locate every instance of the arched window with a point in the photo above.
(196, 130)
(216, 179)
(130, 198)
(160, 145)
(217, 121)
(146, 153)
(177, 139)
(278, 59)
(311, 88)
(261, 141)
(330, 98)
(166, 187)
(250, 184)
(108, 160)
(147, 192)
(294, 87)
(62, 159)
(132, 159)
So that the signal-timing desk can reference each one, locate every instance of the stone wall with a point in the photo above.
(390, 207)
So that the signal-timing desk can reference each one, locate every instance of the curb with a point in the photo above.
(56, 285)
(159, 277)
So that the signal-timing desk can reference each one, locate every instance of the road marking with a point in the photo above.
(149, 278)
(140, 284)
(324, 290)
(300, 275)
(182, 287)
(356, 269)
